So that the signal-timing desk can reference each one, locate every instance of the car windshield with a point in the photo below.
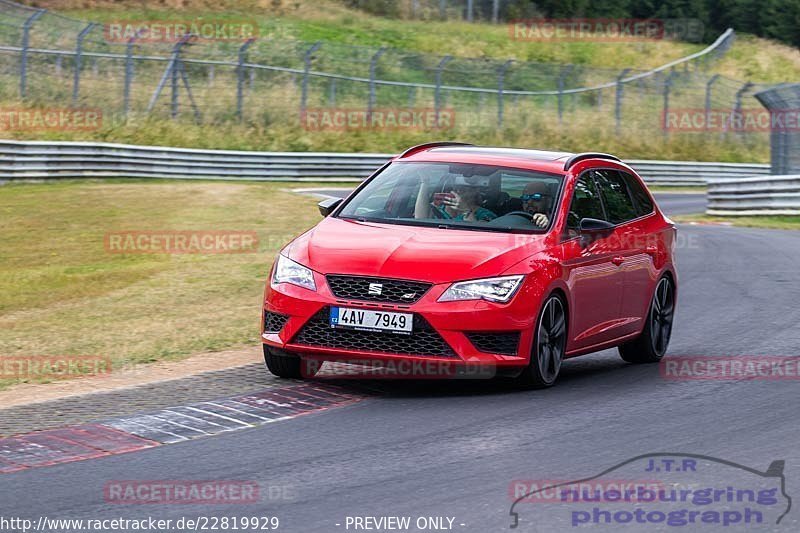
(458, 195)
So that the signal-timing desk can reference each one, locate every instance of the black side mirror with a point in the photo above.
(327, 206)
(592, 229)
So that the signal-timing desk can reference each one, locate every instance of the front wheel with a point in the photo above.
(283, 366)
(651, 345)
(549, 346)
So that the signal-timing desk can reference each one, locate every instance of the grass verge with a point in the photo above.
(768, 222)
(62, 293)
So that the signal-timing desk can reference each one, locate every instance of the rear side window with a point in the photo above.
(616, 197)
(585, 204)
(644, 205)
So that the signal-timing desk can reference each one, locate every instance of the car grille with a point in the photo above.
(391, 290)
(424, 341)
(274, 322)
(502, 343)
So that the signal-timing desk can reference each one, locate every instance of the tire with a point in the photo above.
(548, 346)
(652, 344)
(283, 366)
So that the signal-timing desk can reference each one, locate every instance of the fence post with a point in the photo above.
(126, 97)
(23, 60)
(737, 106)
(171, 70)
(711, 82)
(563, 74)
(443, 9)
(495, 10)
(332, 93)
(618, 99)
(501, 75)
(307, 57)
(667, 88)
(470, 9)
(437, 95)
(76, 82)
(412, 95)
(240, 78)
(373, 65)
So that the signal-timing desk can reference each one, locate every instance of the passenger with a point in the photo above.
(535, 200)
(463, 203)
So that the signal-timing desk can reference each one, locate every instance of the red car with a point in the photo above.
(497, 258)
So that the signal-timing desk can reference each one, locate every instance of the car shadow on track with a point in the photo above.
(583, 373)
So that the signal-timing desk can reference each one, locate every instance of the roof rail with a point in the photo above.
(425, 146)
(588, 155)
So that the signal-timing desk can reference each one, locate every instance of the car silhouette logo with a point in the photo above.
(375, 289)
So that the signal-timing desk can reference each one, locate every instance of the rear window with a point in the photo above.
(644, 205)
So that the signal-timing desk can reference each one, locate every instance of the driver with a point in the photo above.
(534, 201)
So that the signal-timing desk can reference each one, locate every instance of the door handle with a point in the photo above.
(618, 260)
(651, 250)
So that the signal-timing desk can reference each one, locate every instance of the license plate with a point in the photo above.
(367, 320)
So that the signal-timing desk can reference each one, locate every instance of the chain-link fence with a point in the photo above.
(47, 59)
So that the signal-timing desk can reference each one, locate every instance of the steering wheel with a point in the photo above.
(523, 214)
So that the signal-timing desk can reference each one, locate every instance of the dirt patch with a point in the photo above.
(29, 393)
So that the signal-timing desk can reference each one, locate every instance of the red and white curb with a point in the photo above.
(167, 426)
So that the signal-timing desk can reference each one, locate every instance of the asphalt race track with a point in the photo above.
(453, 448)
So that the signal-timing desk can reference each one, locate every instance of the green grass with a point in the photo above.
(271, 121)
(62, 293)
(791, 222)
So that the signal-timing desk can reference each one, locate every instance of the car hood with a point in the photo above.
(339, 246)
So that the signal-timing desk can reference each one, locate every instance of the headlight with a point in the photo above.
(287, 271)
(492, 289)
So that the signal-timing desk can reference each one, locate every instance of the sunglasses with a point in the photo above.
(535, 196)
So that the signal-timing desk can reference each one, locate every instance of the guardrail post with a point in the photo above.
(240, 78)
(23, 60)
(373, 65)
(76, 81)
(437, 95)
(667, 89)
(618, 99)
(501, 75)
(561, 75)
(709, 85)
(307, 58)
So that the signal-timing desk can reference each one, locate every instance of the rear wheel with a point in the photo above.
(549, 345)
(652, 344)
(283, 366)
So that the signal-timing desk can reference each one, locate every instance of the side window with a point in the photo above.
(644, 205)
(616, 197)
(585, 204)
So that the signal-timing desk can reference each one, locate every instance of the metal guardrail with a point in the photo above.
(46, 160)
(771, 195)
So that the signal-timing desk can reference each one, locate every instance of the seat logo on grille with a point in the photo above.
(376, 288)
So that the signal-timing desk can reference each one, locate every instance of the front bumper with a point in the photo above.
(463, 332)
